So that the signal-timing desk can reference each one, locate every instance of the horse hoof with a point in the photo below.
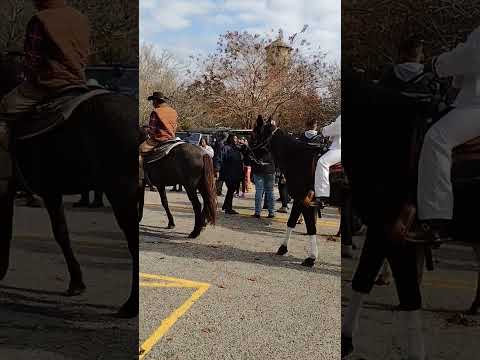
(75, 289)
(308, 262)
(194, 234)
(282, 250)
(171, 226)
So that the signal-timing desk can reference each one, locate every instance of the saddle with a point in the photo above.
(52, 112)
(466, 162)
(162, 150)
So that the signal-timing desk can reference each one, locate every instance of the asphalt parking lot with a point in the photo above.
(37, 321)
(225, 295)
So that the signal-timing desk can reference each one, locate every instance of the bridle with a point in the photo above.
(265, 142)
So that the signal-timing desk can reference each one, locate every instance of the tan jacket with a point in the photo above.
(167, 118)
(69, 31)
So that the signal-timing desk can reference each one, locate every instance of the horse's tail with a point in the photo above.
(208, 190)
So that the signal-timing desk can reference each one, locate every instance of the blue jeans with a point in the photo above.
(264, 184)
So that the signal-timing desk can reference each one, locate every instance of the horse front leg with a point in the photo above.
(123, 198)
(54, 205)
(476, 302)
(291, 223)
(310, 216)
(164, 200)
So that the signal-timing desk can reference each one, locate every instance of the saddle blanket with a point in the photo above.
(162, 150)
(55, 111)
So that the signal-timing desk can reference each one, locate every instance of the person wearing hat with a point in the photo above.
(56, 49)
(162, 125)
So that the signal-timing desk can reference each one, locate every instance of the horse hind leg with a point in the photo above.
(123, 200)
(476, 302)
(54, 205)
(197, 208)
(164, 200)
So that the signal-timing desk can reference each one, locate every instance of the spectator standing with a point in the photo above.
(231, 171)
(263, 170)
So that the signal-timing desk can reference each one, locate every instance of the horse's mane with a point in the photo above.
(292, 144)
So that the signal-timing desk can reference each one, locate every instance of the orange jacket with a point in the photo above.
(163, 123)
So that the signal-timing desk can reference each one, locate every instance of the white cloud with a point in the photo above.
(175, 15)
(322, 16)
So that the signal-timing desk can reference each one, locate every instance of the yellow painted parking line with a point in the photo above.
(159, 281)
(434, 283)
(172, 279)
(279, 219)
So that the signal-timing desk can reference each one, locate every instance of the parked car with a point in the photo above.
(119, 78)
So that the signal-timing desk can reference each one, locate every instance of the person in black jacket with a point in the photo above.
(263, 170)
(231, 171)
(217, 151)
(310, 135)
(409, 74)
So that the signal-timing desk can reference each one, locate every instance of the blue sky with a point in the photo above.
(190, 27)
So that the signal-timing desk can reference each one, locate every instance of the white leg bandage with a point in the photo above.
(352, 314)
(287, 236)
(412, 322)
(313, 246)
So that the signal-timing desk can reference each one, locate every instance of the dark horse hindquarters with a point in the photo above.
(191, 167)
(97, 148)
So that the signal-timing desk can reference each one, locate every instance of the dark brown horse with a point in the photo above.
(190, 166)
(387, 127)
(297, 161)
(97, 148)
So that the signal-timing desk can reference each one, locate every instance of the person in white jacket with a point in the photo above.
(460, 125)
(207, 148)
(331, 157)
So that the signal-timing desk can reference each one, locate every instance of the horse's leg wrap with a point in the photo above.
(288, 234)
(352, 314)
(412, 322)
(313, 246)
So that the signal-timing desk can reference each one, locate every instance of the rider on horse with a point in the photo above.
(56, 47)
(460, 125)
(162, 125)
(331, 157)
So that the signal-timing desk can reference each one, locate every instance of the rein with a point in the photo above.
(263, 144)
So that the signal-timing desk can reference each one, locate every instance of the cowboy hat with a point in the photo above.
(157, 95)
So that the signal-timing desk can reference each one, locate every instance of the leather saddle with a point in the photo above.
(161, 150)
(52, 112)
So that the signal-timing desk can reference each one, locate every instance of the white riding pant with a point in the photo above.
(434, 192)
(322, 171)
